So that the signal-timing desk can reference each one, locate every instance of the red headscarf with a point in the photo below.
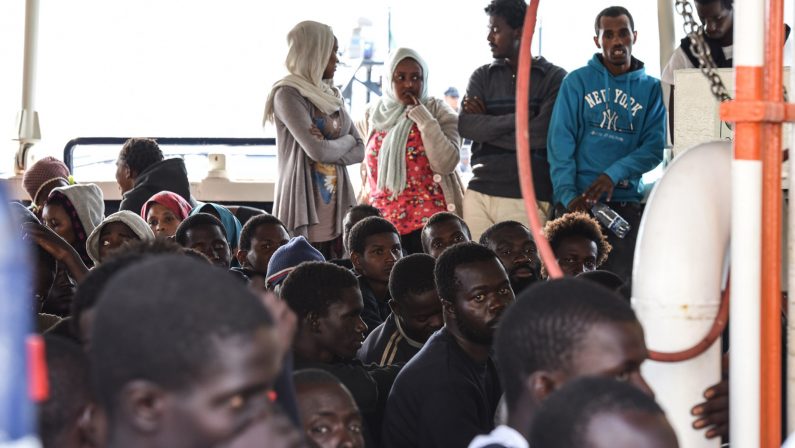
(172, 201)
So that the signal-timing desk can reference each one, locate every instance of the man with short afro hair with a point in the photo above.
(443, 230)
(208, 346)
(514, 244)
(259, 239)
(578, 243)
(327, 302)
(374, 245)
(205, 233)
(142, 171)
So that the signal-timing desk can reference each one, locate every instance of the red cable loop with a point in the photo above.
(523, 141)
(721, 319)
(528, 192)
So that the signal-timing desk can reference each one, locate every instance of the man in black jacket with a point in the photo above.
(142, 172)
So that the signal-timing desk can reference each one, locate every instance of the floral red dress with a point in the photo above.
(422, 196)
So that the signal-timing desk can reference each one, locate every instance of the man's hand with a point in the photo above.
(713, 414)
(602, 185)
(578, 204)
(50, 241)
(473, 105)
(56, 246)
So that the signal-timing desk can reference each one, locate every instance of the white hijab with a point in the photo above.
(310, 45)
(389, 114)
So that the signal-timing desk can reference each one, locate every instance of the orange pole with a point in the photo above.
(771, 393)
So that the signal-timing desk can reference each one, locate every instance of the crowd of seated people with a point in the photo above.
(421, 317)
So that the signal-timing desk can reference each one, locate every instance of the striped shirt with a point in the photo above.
(387, 344)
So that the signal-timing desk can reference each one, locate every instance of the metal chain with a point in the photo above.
(700, 48)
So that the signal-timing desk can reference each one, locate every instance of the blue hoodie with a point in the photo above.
(605, 124)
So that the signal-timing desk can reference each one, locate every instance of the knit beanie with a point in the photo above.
(88, 201)
(43, 173)
(172, 201)
(288, 257)
(139, 227)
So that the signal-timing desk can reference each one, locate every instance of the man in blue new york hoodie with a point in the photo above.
(607, 129)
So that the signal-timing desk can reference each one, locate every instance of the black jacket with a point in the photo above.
(168, 175)
(375, 311)
(387, 345)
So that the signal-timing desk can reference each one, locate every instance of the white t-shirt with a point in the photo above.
(503, 436)
(679, 60)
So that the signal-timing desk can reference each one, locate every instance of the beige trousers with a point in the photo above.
(481, 211)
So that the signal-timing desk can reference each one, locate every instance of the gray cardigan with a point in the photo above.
(294, 204)
(438, 125)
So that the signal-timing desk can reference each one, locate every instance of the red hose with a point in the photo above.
(523, 141)
(714, 333)
(528, 192)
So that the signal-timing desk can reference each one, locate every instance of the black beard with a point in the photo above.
(521, 283)
(473, 335)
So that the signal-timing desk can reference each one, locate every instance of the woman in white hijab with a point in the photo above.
(315, 139)
(412, 150)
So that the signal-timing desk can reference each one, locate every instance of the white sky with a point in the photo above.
(203, 68)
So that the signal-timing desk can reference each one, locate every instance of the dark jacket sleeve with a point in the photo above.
(497, 130)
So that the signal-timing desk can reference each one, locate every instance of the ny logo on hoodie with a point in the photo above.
(609, 120)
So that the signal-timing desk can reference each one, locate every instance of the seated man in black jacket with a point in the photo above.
(416, 313)
(328, 305)
(448, 393)
(142, 172)
(374, 245)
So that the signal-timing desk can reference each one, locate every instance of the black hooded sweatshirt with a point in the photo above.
(167, 175)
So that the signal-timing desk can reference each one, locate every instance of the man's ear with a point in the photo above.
(90, 427)
(634, 37)
(596, 41)
(517, 33)
(241, 257)
(447, 308)
(144, 403)
(542, 383)
(356, 261)
(312, 322)
(129, 173)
